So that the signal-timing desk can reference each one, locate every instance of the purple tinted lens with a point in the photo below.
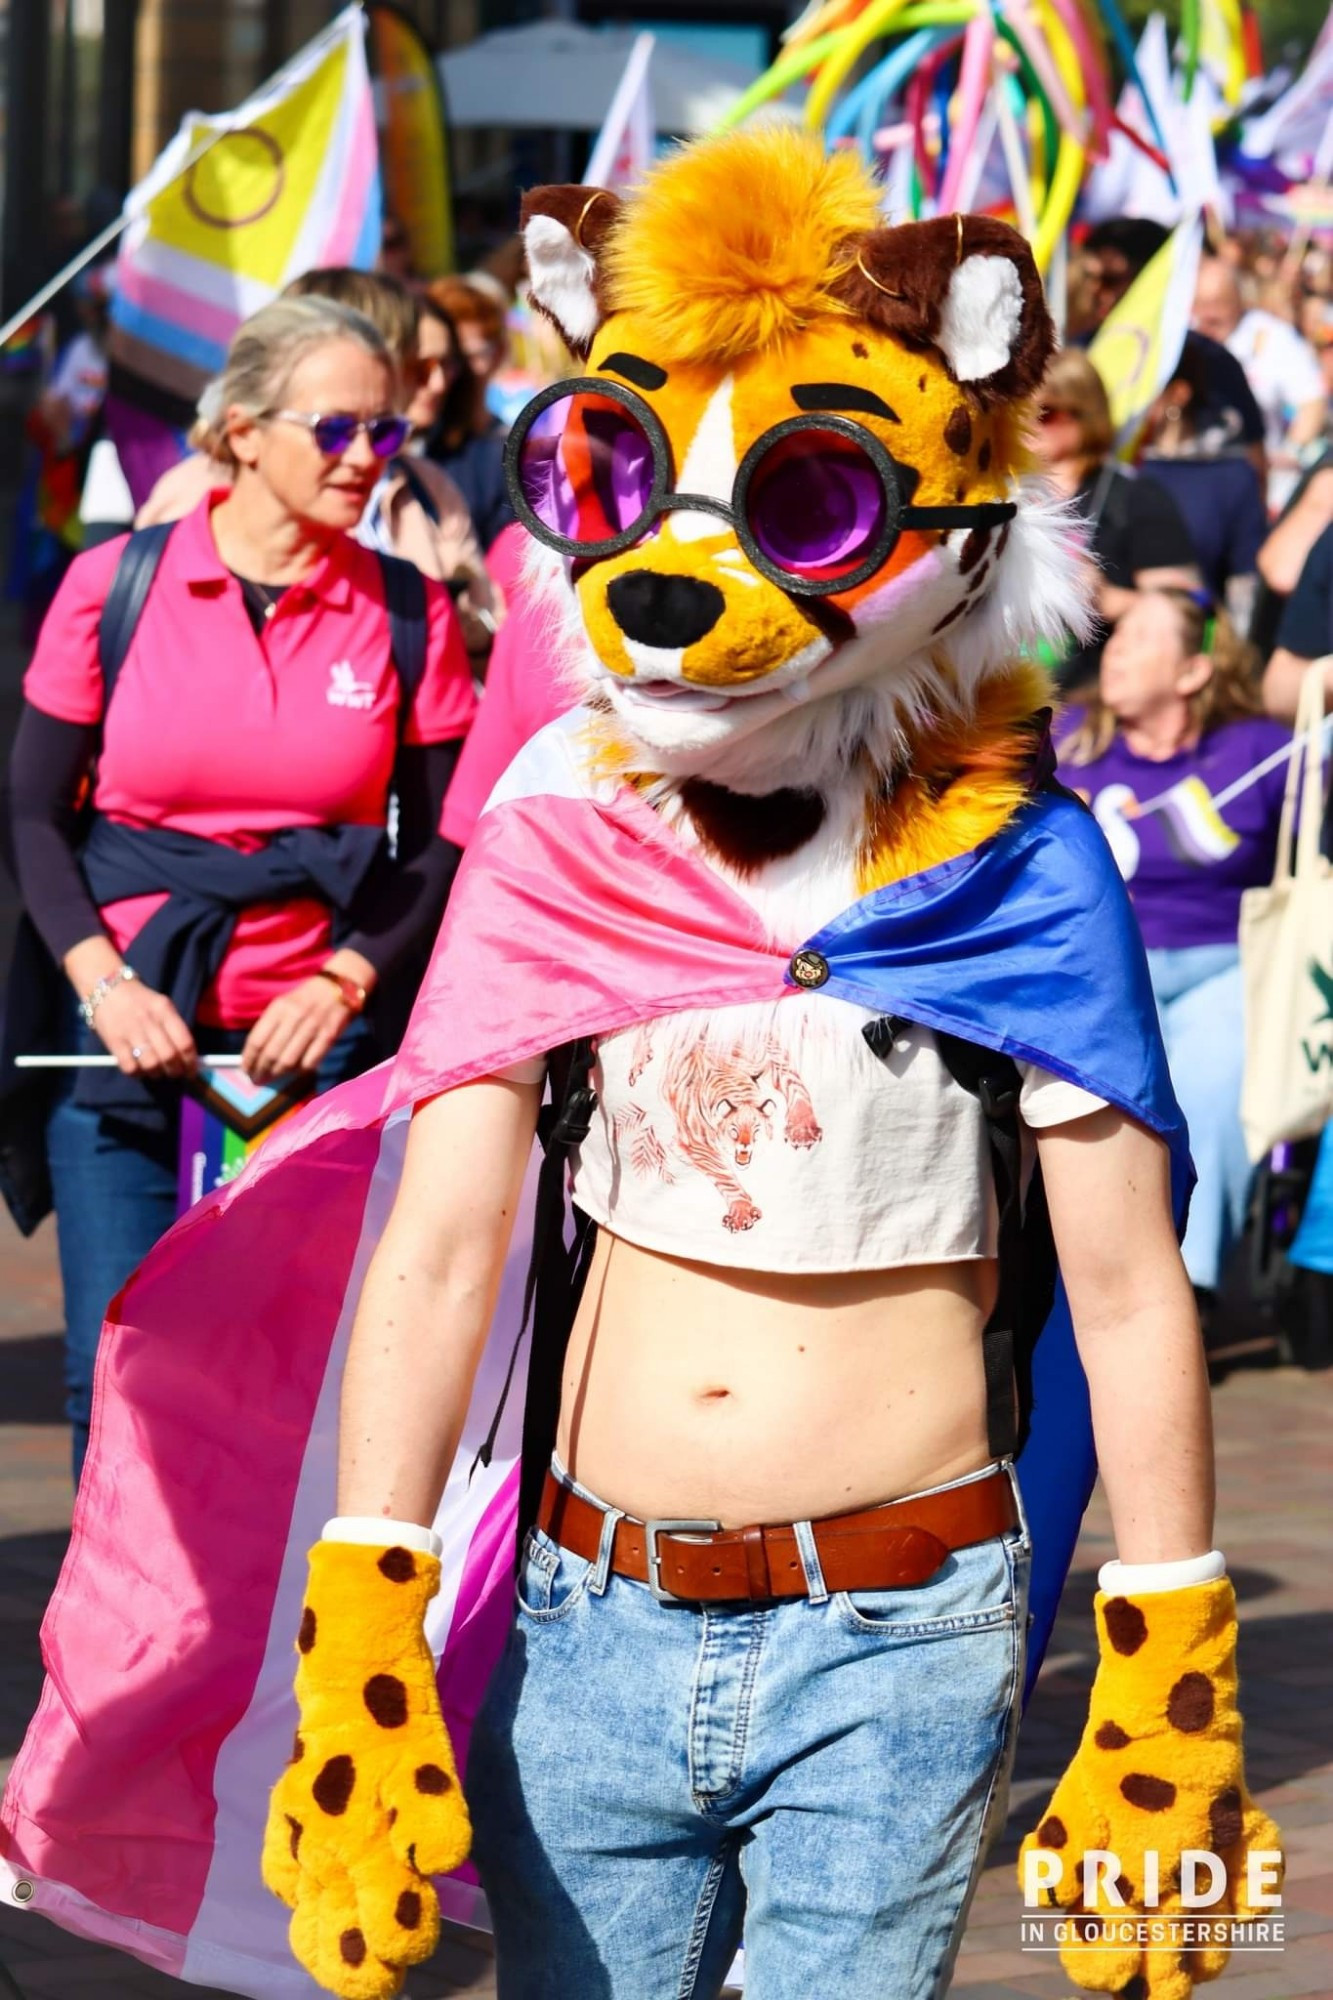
(388, 435)
(586, 466)
(816, 503)
(334, 434)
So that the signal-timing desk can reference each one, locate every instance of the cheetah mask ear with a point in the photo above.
(564, 229)
(965, 285)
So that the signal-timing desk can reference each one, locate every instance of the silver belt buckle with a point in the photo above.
(653, 1560)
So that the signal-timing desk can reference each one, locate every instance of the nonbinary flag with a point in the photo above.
(624, 149)
(239, 204)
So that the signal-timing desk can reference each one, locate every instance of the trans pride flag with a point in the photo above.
(135, 1810)
(237, 205)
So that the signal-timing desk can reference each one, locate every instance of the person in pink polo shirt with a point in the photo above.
(206, 857)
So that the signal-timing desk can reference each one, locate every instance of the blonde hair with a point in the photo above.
(267, 347)
(385, 301)
(1230, 692)
(1072, 383)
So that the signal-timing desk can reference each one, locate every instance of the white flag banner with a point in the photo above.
(625, 145)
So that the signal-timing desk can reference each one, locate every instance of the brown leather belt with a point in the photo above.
(696, 1562)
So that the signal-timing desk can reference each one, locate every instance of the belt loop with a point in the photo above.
(611, 1520)
(816, 1588)
(1012, 1471)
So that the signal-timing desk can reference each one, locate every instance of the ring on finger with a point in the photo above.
(136, 1055)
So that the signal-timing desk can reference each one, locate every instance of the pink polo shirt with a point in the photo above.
(215, 731)
(525, 690)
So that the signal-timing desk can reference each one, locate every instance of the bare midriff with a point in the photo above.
(695, 1391)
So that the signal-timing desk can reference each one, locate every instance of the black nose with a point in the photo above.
(664, 610)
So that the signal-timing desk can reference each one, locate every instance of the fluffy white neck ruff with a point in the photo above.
(878, 700)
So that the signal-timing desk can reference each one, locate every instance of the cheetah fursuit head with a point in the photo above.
(748, 305)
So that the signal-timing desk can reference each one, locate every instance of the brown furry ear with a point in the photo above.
(564, 229)
(965, 285)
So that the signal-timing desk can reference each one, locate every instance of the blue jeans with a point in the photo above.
(828, 1771)
(115, 1194)
(1199, 1004)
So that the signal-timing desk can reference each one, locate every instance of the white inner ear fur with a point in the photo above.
(982, 315)
(561, 278)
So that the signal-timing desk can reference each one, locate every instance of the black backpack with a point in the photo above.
(404, 600)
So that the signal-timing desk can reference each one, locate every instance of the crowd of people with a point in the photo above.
(258, 733)
(354, 435)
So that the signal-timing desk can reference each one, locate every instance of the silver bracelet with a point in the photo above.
(93, 999)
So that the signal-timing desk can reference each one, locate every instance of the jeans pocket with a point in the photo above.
(551, 1581)
(974, 1590)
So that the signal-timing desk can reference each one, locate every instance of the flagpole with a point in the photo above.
(109, 1062)
(107, 236)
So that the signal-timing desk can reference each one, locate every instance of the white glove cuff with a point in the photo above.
(373, 1532)
(1119, 1579)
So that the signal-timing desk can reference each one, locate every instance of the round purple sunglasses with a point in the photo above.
(333, 435)
(817, 504)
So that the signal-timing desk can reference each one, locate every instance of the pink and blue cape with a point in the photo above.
(136, 1806)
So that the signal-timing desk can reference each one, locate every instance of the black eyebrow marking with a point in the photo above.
(841, 396)
(643, 374)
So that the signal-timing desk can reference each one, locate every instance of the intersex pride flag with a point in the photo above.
(136, 1807)
(237, 205)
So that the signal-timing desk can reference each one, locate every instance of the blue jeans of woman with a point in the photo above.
(1199, 1004)
(115, 1194)
(644, 1778)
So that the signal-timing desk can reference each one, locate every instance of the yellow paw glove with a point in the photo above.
(370, 1805)
(1159, 1771)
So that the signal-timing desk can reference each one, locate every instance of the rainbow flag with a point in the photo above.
(239, 204)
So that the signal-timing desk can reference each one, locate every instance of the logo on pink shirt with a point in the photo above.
(345, 690)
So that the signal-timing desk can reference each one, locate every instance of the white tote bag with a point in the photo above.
(1286, 951)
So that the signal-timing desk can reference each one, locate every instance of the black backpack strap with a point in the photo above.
(417, 487)
(122, 607)
(555, 1273)
(405, 602)
(1026, 1253)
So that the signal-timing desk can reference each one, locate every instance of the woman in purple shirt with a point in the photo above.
(1164, 754)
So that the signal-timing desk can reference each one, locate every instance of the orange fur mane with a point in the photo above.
(966, 778)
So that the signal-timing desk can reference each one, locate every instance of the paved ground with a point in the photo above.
(1274, 1431)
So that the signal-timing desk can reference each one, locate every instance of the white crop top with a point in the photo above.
(769, 1136)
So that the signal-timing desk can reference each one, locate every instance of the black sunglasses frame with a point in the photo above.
(899, 514)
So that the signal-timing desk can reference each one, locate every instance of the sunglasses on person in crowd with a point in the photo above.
(334, 435)
(818, 503)
(1051, 413)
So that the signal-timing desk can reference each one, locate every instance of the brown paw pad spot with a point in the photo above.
(352, 1947)
(332, 1789)
(1052, 1832)
(1137, 1989)
(1126, 1626)
(1224, 1819)
(1190, 1703)
(958, 431)
(983, 457)
(1111, 1737)
(386, 1699)
(305, 1638)
(295, 1830)
(1148, 1794)
(432, 1780)
(398, 1565)
(407, 1912)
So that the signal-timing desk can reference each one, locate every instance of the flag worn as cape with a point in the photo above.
(136, 1806)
